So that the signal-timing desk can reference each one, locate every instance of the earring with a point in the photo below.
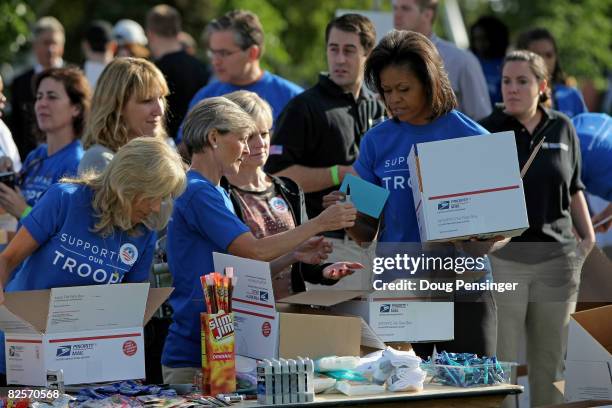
(214, 146)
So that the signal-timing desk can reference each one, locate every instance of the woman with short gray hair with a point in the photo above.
(216, 133)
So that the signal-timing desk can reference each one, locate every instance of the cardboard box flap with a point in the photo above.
(32, 307)
(592, 321)
(336, 336)
(322, 297)
(82, 308)
(157, 296)
(13, 324)
(500, 170)
(369, 338)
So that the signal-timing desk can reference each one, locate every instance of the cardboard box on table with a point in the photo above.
(92, 333)
(466, 187)
(588, 365)
(291, 328)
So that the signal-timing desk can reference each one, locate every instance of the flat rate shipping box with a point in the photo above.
(588, 365)
(92, 333)
(288, 327)
(466, 187)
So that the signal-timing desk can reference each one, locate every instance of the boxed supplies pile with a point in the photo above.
(92, 333)
(291, 328)
(589, 355)
(466, 187)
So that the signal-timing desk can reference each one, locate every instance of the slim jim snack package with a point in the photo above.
(218, 359)
(217, 333)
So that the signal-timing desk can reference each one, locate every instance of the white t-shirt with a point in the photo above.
(8, 147)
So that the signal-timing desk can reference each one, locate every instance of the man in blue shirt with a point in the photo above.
(235, 47)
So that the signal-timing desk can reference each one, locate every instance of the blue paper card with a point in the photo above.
(368, 198)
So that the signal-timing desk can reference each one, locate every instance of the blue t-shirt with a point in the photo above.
(70, 254)
(595, 134)
(273, 89)
(568, 100)
(39, 171)
(203, 222)
(383, 160)
(493, 74)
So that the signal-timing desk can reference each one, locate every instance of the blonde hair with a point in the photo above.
(252, 104)
(145, 168)
(121, 79)
(216, 113)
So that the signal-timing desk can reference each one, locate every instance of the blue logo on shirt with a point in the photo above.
(63, 351)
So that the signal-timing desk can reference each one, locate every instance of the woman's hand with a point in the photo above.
(12, 200)
(339, 270)
(6, 164)
(481, 247)
(332, 198)
(585, 246)
(336, 217)
(314, 251)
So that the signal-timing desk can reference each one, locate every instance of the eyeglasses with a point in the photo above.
(221, 53)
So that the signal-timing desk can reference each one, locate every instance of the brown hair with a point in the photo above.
(164, 21)
(536, 65)
(355, 23)
(246, 26)
(121, 79)
(526, 38)
(78, 91)
(416, 53)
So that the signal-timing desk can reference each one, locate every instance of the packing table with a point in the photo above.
(433, 396)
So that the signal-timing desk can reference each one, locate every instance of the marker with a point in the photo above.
(347, 197)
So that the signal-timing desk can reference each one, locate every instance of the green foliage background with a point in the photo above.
(295, 28)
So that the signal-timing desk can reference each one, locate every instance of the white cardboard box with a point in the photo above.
(395, 317)
(267, 329)
(469, 186)
(588, 365)
(92, 333)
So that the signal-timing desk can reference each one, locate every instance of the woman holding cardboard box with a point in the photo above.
(216, 133)
(98, 229)
(407, 72)
(546, 259)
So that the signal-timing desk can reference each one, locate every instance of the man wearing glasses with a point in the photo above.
(235, 47)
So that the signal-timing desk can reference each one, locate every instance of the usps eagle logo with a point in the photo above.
(128, 253)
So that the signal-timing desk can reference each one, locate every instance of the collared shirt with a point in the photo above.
(322, 127)
(466, 77)
(554, 175)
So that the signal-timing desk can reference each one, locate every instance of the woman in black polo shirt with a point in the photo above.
(547, 258)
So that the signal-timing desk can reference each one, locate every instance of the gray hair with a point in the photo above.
(245, 25)
(47, 24)
(217, 113)
(252, 104)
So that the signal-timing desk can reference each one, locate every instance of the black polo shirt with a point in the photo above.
(554, 175)
(322, 127)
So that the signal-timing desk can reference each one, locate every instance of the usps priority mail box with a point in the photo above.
(395, 317)
(92, 333)
(468, 187)
(588, 364)
(267, 329)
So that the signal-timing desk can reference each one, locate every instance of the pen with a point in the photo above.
(347, 196)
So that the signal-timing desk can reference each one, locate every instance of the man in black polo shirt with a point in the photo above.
(316, 138)
(185, 74)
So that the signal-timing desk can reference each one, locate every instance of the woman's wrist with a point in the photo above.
(25, 212)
